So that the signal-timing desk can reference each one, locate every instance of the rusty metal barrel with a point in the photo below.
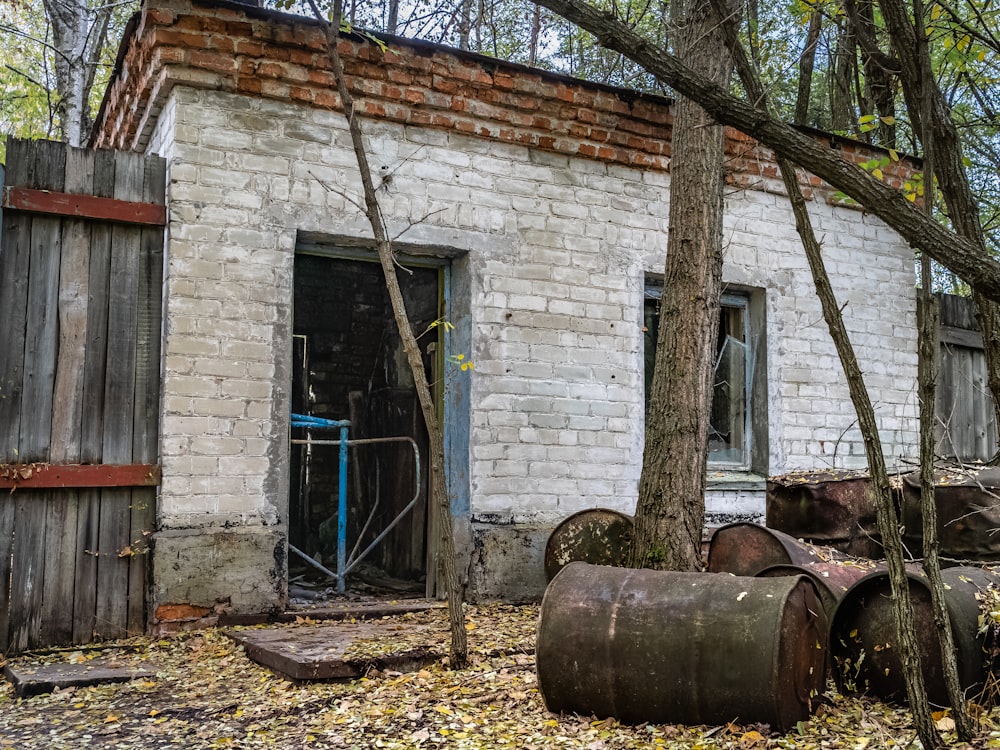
(829, 508)
(863, 635)
(968, 511)
(692, 648)
(598, 536)
(745, 549)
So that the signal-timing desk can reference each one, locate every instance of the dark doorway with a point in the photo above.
(349, 364)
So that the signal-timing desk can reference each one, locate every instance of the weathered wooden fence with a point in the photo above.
(966, 427)
(81, 257)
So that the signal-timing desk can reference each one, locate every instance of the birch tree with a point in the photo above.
(60, 58)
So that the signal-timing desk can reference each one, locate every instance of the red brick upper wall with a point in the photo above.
(245, 50)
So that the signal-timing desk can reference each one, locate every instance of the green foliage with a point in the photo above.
(27, 82)
(28, 96)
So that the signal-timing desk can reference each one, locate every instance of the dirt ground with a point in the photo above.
(203, 692)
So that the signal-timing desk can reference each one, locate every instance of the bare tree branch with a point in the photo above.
(964, 258)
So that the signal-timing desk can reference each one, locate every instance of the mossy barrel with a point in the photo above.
(691, 648)
(599, 536)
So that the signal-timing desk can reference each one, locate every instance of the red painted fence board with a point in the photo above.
(83, 206)
(47, 476)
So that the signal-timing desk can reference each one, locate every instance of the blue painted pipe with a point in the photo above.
(342, 511)
(313, 423)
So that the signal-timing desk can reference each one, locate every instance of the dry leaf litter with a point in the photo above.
(207, 694)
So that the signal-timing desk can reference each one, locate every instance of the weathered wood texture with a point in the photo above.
(966, 428)
(80, 300)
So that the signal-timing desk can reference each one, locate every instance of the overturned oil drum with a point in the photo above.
(745, 549)
(968, 511)
(829, 508)
(832, 579)
(598, 536)
(863, 635)
(692, 648)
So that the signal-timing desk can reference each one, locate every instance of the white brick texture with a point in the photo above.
(558, 248)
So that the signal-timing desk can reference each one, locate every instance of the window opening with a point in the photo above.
(730, 435)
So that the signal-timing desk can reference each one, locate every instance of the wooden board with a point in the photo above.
(77, 476)
(115, 524)
(57, 619)
(145, 422)
(31, 537)
(13, 307)
(322, 652)
(92, 416)
(6, 556)
(56, 203)
(88, 517)
(42, 335)
(45, 678)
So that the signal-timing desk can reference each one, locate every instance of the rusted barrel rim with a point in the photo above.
(795, 552)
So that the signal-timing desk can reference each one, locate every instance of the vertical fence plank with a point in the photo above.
(92, 418)
(112, 570)
(74, 281)
(14, 257)
(63, 549)
(944, 404)
(41, 341)
(6, 553)
(147, 394)
(13, 302)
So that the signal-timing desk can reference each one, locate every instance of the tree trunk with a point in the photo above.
(464, 24)
(878, 90)
(670, 512)
(78, 40)
(446, 561)
(393, 20)
(536, 30)
(887, 517)
(964, 258)
(878, 82)
(807, 62)
(842, 64)
(949, 168)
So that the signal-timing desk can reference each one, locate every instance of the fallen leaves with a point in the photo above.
(207, 694)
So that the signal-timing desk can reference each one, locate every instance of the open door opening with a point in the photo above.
(349, 364)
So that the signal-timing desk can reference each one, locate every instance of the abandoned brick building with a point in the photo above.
(532, 210)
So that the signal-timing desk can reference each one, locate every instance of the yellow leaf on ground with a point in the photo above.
(945, 724)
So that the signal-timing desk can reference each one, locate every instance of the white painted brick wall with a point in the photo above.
(558, 251)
